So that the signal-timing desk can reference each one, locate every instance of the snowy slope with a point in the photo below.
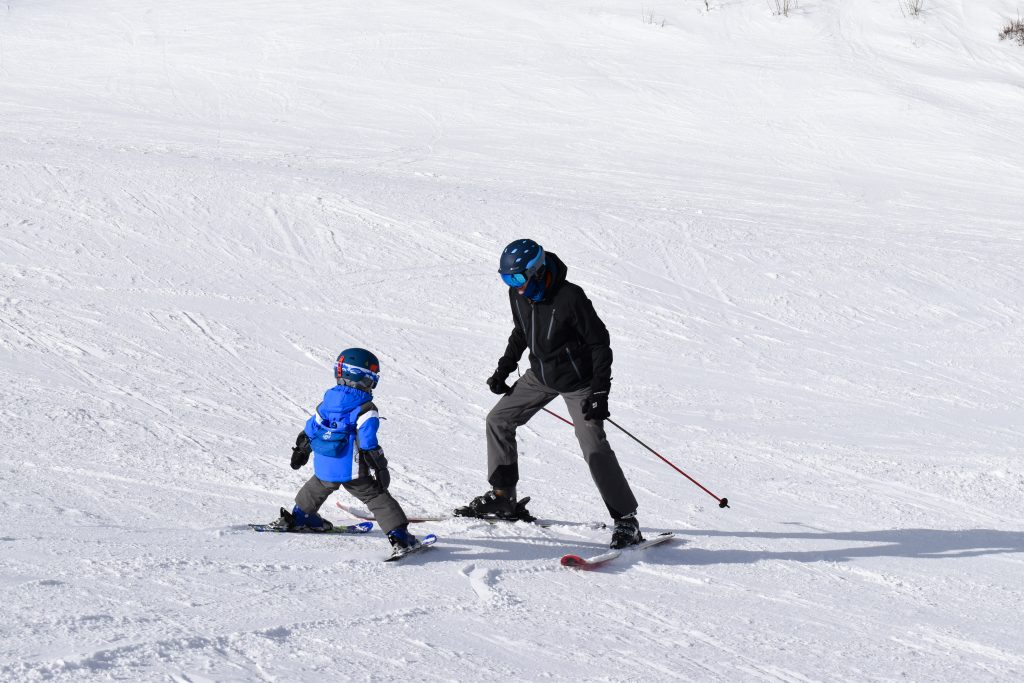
(804, 234)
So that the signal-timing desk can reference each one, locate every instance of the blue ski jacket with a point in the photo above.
(344, 423)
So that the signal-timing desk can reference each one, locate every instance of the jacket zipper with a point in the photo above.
(521, 321)
(578, 375)
(551, 325)
(533, 334)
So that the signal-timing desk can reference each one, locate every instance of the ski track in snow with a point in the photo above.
(803, 234)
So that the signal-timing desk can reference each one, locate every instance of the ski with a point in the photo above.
(542, 523)
(577, 562)
(360, 513)
(360, 528)
(400, 553)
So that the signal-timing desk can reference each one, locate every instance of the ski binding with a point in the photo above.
(399, 553)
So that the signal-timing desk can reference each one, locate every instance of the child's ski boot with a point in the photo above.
(297, 520)
(402, 542)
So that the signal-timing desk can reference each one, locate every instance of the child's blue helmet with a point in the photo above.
(357, 368)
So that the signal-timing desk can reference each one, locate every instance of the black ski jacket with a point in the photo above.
(569, 345)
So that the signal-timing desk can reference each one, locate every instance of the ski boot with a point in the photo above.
(402, 542)
(284, 522)
(300, 521)
(626, 533)
(497, 505)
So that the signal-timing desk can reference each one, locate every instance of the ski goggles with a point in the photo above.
(356, 374)
(514, 279)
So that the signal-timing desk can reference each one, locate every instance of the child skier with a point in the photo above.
(342, 435)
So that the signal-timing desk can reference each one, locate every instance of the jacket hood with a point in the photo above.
(340, 400)
(558, 272)
(555, 269)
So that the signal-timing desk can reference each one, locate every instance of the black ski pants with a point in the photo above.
(516, 408)
(388, 513)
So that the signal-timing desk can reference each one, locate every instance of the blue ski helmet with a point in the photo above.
(521, 261)
(357, 368)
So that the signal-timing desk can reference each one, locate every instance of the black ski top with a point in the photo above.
(569, 345)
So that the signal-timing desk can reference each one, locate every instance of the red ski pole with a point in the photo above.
(722, 502)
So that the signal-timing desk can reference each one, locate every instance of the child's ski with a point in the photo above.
(360, 528)
(399, 553)
(577, 562)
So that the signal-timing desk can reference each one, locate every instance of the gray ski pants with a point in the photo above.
(385, 508)
(526, 399)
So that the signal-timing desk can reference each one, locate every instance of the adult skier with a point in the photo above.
(342, 436)
(570, 356)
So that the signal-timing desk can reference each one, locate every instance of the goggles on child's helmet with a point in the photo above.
(357, 368)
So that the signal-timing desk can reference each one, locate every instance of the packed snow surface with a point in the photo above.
(804, 234)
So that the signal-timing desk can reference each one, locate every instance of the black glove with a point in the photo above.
(379, 464)
(595, 406)
(300, 454)
(498, 384)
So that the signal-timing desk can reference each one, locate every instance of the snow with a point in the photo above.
(803, 232)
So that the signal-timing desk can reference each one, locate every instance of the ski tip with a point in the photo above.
(364, 526)
(573, 561)
(584, 564)
(358, 513)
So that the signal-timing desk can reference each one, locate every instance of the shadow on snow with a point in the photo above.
(909, 543)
